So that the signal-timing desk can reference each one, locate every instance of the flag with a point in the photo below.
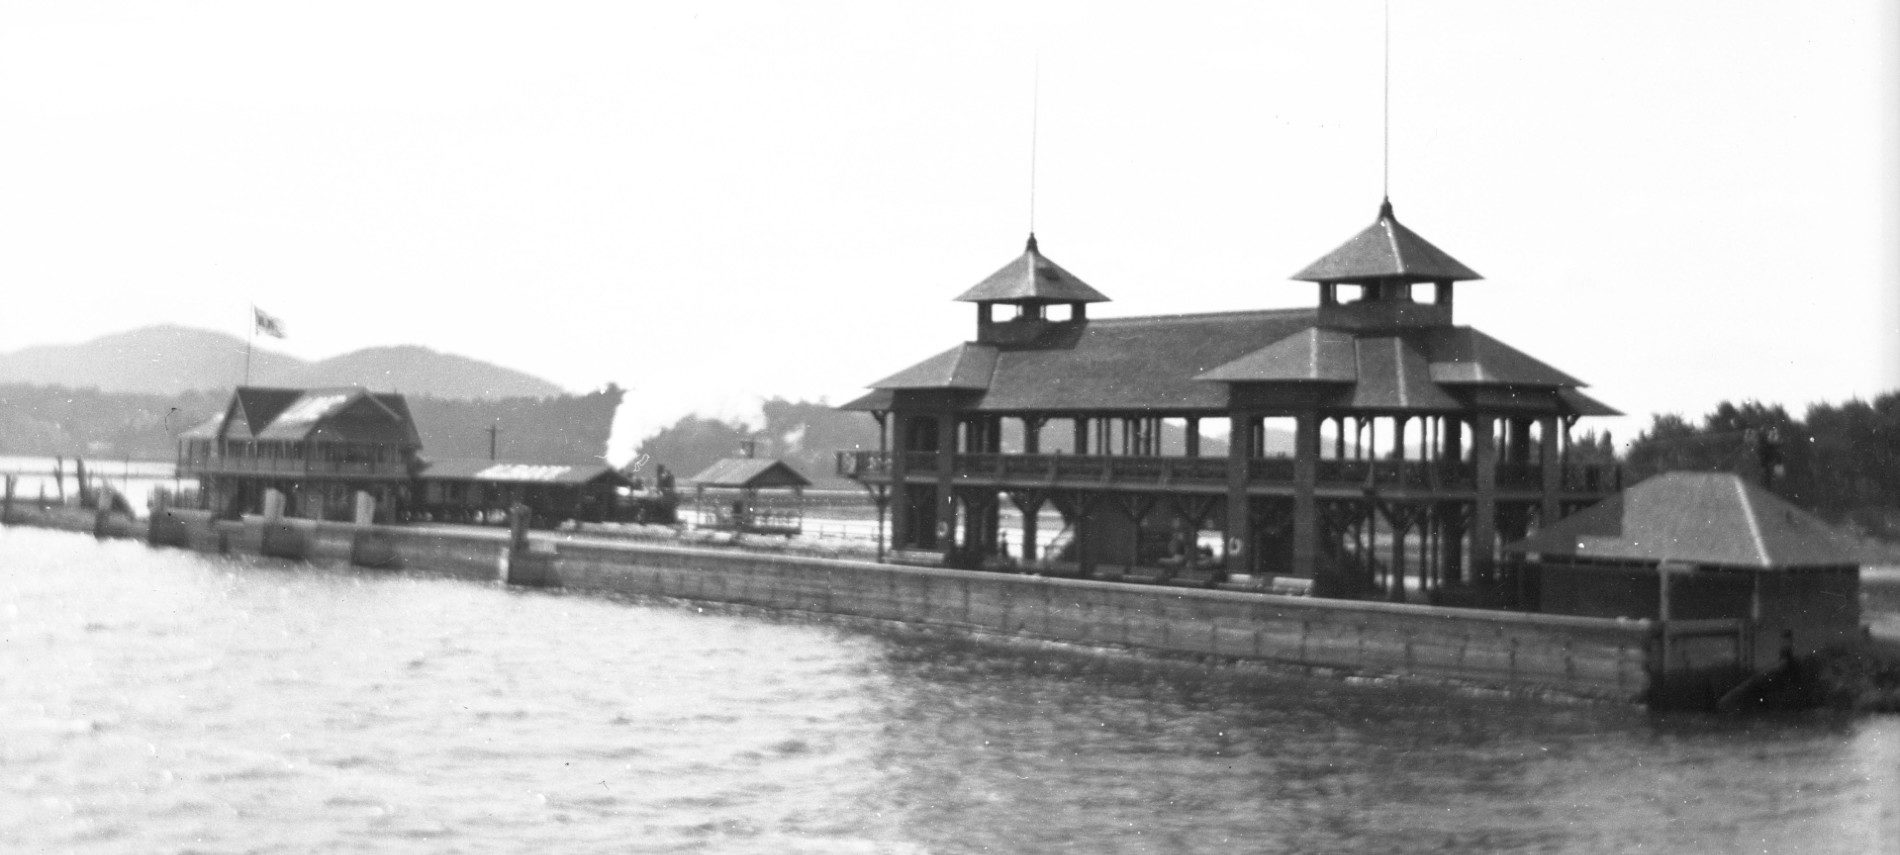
(268, 325)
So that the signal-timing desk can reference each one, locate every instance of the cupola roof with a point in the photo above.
(1387, 250)
(1032, 278)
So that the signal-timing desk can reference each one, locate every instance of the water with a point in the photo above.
(134, 479)
(163, 701)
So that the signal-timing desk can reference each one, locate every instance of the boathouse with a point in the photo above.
(1371, 445)
(316, 448)
(1708, 548)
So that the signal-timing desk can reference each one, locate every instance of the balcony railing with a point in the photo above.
(290, 467)
(1212, 471)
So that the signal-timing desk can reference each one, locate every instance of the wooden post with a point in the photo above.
(1305, 502)
(1484, 521)
(900, 488)
(945, 498)
(1081, 435)
(1239, 545)
(1193, 436)
(1547, 459)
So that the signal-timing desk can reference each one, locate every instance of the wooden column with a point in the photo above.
(1484, 516)
(1238, 531)
(1305, 504)
(1547, 448)
(1081, 435)
(1193, 436)
(900, 491)
(1032, 434)
(946, 498)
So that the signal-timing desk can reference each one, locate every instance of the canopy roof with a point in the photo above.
(749, 473)
(1714, 519)
(1032, 278)
(1386, 250)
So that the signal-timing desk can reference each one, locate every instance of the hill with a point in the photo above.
(171, 360)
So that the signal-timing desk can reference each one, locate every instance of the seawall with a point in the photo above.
(1583, 657)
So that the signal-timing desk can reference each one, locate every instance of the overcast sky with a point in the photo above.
(706, 203)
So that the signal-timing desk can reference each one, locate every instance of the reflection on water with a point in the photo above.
(161, 701)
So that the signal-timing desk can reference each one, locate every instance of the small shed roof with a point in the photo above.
(1715, 519)
(1387, 250)
(750, 473)
(520, 472)
(1032, 278)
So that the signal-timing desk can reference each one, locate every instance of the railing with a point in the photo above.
(291, 467)
(1205, 471)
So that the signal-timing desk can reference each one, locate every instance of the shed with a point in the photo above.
(760, 496)
(1687, 546)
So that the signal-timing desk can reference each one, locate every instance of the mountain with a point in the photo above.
(168, 360)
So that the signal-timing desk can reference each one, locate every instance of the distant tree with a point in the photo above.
(805, 434)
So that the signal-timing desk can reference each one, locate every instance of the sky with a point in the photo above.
(1679, 203)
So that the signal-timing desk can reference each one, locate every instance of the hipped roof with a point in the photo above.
(1032, 278)
(1714, 519)
(1387, 250)
(749, 473)
(1179, 363)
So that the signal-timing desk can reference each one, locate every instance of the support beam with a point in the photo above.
(1547, 447)
(1484, 516)
(1305, 503)
(1193, 436)
(1238, 530)
(945, 499)
(900, 491)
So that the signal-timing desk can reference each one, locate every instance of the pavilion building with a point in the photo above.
(1370, 440)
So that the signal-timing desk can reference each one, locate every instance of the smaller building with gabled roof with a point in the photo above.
(750, 494)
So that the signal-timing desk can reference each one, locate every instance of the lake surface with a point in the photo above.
(164, 701)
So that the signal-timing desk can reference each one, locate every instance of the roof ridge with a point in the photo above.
(1754, 525)
(1233, 313)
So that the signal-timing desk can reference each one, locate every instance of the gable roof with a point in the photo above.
(1395, 376)
(1386, 250)
(1716, 519)
(295, 415)
(749, 473)
(1032, 278)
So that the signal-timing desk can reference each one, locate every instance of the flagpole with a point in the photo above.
(248, 344)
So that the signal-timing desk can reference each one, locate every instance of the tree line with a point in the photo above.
(1841, 461)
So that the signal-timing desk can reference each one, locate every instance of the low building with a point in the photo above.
(1701, 547)
(476, 490)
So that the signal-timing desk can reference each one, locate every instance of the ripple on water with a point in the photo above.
(236, 705)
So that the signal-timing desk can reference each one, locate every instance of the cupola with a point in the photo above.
(1029, 285)
(1381, 264)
